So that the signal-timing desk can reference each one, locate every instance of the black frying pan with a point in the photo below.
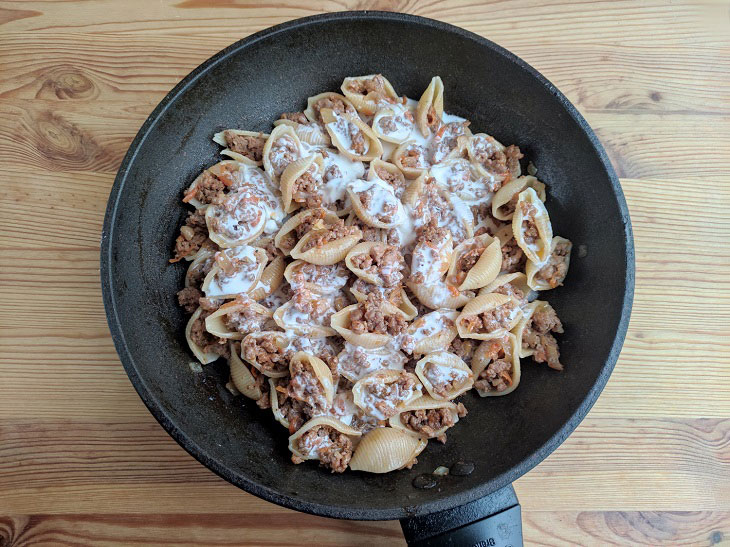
(248, 85)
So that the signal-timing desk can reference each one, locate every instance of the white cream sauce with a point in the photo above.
(242, 280)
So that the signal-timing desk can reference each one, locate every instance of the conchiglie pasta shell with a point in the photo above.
(311, 133)
(531, 269)
(385, 449)
(472, 153)
(441, 338)
(215, 170)
(487, 266)
(440, 295)
(366, 216)
(377, 164)
(409, 172)
(242, 378)
(425, 403)
(215, 324)
(329, 253)
(290, 175)
(516, 279)
(311, 330)
(402, 302)
(198, 262)
(312, 115)
(261, 258)
(402, 133)
(278, 414)
(322, 373)
(511, 189)
(540, 253)
(223, 240)
(203, 357)
(480, 361)
(450, 364)
(219, 138)
(367, 104)
(318, 422)
(518, 330)
(432, 97)
(278, 132)
(483, 304)
(340, 321)
(270, 280)
(413, 191)
(281, 341)
(384, 377)
(361, 248)
(294, 221)
(375, 148)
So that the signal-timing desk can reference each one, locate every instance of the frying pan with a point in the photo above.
(248, 85)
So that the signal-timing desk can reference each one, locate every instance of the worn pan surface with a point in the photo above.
(248, 85)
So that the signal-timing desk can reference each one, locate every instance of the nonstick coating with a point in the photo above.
(247, 86)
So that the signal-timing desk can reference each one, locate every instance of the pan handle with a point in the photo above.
(492, 521)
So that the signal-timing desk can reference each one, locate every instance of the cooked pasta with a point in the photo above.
(364, 267)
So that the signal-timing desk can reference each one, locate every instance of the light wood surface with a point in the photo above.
(81, 459)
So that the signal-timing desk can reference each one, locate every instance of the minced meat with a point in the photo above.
(383, 260)
(305, 386)
(428, 422)
(500, 162)
(249, 146)
(264, 351)
(529, 230)
(513, 258)
(333, 232)
(389, 395)
(297, 117)
(463, 348)
(192, 235)
(492, 320)
(368, 317)
(376, 84)
(556, 269)
(495, 377)
(206, 341)
(334, 449)
(536, 336)
(337, 105)
(306, 188)
(508, 289)
(188, 299)
(396, 180)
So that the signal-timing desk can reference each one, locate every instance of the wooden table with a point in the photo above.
(81, 459)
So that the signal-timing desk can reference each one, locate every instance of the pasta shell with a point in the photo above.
(341, 128)
(227, 231)
(385, 449)
(317, 103)
(395, 295)
(444, 375)
(223, 138)
(431, 332)
(538, 249)
(430, 108)
(282, 147)
(388, 173)
(368, 93)
(526, 319)
(505, 349)
(369, 233)
(449, 142)
(236, 271)
(470, 325)
(481, 146)
(438, 294)
(310, 450)
(270, 280)
(318, 279)
(286, 237)
(556, 266)
(517, 282)
(394, 123)
(382, 393)
(430, 259)
(308, 371)
(289, 318)
(242, 378)
(273, 367)
(411, 158)
(375, 203)
(354, 362)
(311, 165)
(255, 317)
(387, 274)
(278, 411)
(328, 253)
(218, 170)
(505, 200)
(202, 356)
(466, 274)
(202, 261)
(424, 403)
(310, 133)
(340, 321)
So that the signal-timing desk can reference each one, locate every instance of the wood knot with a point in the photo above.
(67, 83)
(63, 144)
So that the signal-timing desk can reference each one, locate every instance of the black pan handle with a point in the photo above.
(493, 521)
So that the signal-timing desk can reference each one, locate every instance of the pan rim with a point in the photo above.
(270, 494)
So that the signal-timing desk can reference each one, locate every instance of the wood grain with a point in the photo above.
(81, 460)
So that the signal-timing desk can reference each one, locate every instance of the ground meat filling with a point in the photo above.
(376, 85)
(384, 261)
(388, 395)
(317, 307)
(333, 448)
(244, 319)
(444, 382)
(188, 299)
(369, 233)
(335, 231)
(212, 188)
(389, 208)
(463, 348)
(249, 146)
(414, 158)
(529, 228)
(297, 117)
(465, 263)
(205, 340)
(433, 121)
(497, 376)
(556, 269)
(508, 289)
(396, 180)
(428, 422)
(513, 258)
(294, 411)
(391, 294)
(358, 143)
(305, 386)
(368, 317)
(536, 336)
(265, 352)
(192, 235)
(306, 189)
(338, 106)
(500, 162)
(282, 153)
(492, 320)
